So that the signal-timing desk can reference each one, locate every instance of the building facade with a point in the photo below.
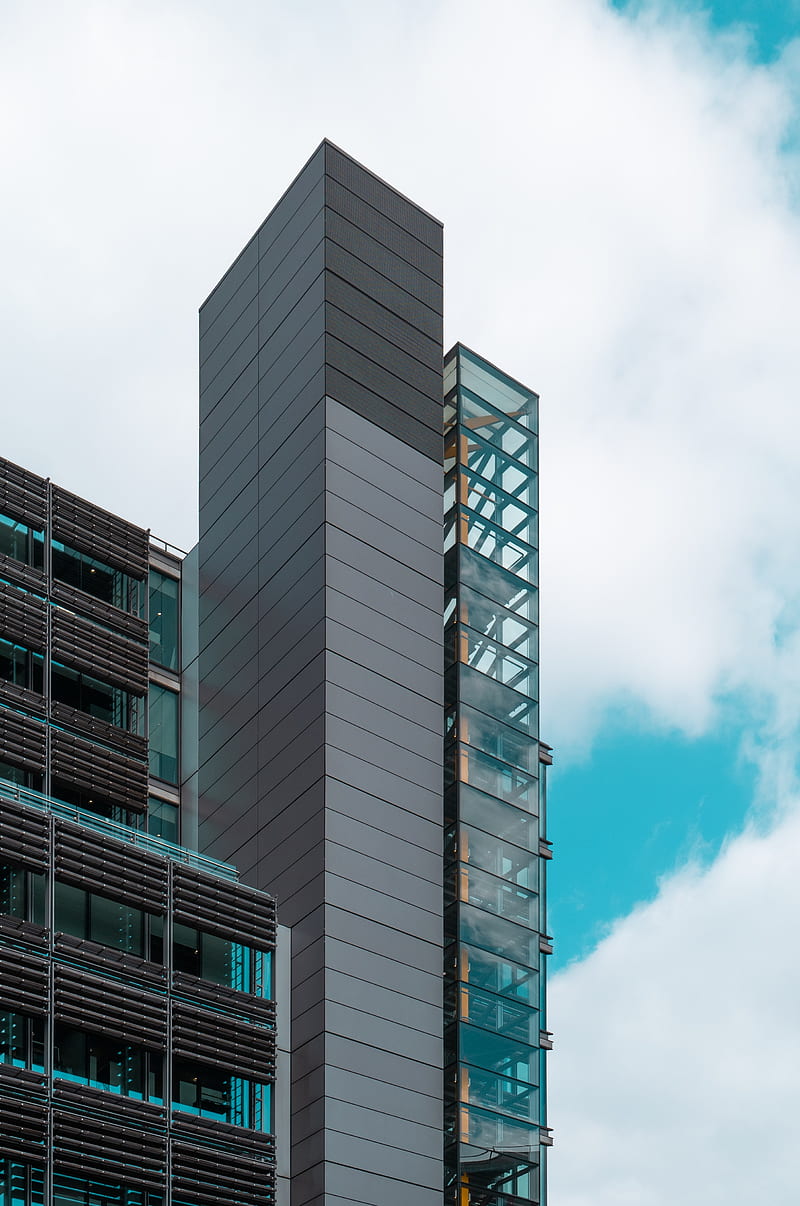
(328, 694)
(137, 1014)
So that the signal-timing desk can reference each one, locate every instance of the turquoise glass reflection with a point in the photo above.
(494, 876)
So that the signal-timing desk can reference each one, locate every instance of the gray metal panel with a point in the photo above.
(320, 654)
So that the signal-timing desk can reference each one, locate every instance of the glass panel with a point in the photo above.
(490, 853)
(164, 620)
(516, 1097)
(20, 666)
(513, 477)
(496, 661)
(498, 895)
(504, 1016)
(116, 924)
(500, 1054)
(163, 820)
(504, 393)
(483, 929)
(497, 1133)
(111, 585)
(484, 729)
(497, 546)
(492, 816)
(495, 621)
(186, 949)
(498, 585)
(488, 422)
(515, 514)
(498, 778)
(20, 1184)
(163, 733)
(72, 913)
(21, 542)
(212, 1093)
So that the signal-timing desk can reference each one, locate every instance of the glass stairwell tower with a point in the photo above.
(495, 843)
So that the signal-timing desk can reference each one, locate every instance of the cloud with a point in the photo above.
(677, 1042)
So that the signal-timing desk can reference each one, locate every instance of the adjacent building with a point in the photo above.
(327, 694)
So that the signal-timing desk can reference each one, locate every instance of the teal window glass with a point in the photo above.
(505, 395)
(109, 922)
(487, 1089)
(500, 586)
(21, 666)
(494, 816)
(230, 964)
(213, 1093)
(500, 896)
(499, 623)
(98, 699)
(163, 736)
(108, 1063)
(490, 853)
(21, 542)
(491, 930)
(104, 582)
(92, 1191)
(20, 1184)
(494, 972)
(21, 1040)
(163, 820)
(164, 620)
(510, 1018)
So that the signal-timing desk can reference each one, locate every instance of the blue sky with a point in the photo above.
(770, 23)
(619, 189)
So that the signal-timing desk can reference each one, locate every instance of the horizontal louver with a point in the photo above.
(106, 655)
(106, 1007)
(91, 767)
(111, 868)
(232, 911)
(106, 537)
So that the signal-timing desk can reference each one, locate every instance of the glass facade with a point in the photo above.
(163, 736)
(164, 597)
(494, 872)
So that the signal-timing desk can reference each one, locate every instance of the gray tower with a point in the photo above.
(320, 656)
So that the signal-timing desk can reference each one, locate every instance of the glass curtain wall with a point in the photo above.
(494, 973)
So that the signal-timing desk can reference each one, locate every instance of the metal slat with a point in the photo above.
(107, 959)
(92, 767)
(107, 1007)
(23, 495)
(22, 740)
(106, 655)
(224, 1042)
(99, 533)
(232, 911)
(114, 869)
(210, 1176)
(23, 617)
(23, 981)
(109, 616)
(24, 835)
(129, 743)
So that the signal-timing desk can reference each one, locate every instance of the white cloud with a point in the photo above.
(677, 1043)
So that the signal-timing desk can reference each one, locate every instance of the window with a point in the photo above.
(21, 1041)
(109, 704)
(96, 578)
(78, 1191)
(22, 894)
(214, 1093)
(163, 734)
(92, 801)
(222, 962)
(164, 620)
(110, 922)
(21, 542)
(22, 778)
(108, 1063)
(20, 1184)
(21, 666)
(163, 820)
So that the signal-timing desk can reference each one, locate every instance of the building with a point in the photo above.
(299, 733)
(137, 1014)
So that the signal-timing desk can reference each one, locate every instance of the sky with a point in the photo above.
(620, 187)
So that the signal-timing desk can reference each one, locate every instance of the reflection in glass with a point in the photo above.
(163, 735)
(164, 620)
